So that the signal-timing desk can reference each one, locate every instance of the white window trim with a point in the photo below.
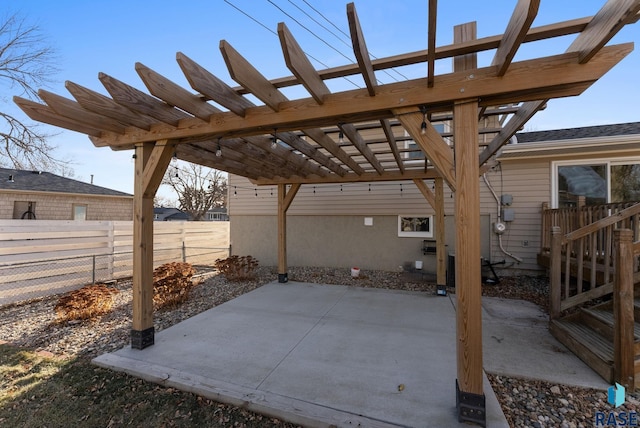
(608, 162)
(403, 234)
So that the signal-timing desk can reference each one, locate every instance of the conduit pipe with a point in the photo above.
(498, 230)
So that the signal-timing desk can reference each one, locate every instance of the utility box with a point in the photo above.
(506, 200)
(508, 214)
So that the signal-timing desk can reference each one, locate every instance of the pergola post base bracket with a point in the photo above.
(283, 277)
(471, 407)
(141, 339)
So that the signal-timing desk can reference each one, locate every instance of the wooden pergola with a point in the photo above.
(319, 138)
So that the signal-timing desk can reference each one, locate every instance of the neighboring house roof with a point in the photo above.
(632, 128)
(39, 181)
(621, 139)
(170, 214)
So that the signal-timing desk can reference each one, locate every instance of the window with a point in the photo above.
(415, 226)
(24, 210)
(79, 212)
(599, 182)
(413, 152)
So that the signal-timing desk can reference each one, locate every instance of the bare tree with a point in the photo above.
(26, 63)
(199, 189)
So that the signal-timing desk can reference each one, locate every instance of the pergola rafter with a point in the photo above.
(289, 143)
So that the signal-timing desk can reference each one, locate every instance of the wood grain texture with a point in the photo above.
(156, 167)
(623, 315)
(360, 50)
(356, 139)
(212, 87)
(393, 145)
(138, 101)
(441, 249)
(426, 192)
(319, 136)
(100, 104)
(517, 121)
(173, 94)
(142, 244)
(525, 80)
(300, 65)
(519, 24)
(467, 220)
(249, 77)
(45, 114)
(431, 143)
(605, 24)
(431, 42)
(72, 110)
(308, 150)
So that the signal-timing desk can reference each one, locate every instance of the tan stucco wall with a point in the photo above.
(58, 206)
(338, 241)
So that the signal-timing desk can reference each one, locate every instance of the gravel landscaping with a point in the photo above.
(32, 326)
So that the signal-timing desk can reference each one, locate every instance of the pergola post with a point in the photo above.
(151, 161)
(437, 203)
(441, 267)
(470, 399)
(284, 201)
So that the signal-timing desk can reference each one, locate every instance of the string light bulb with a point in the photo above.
(219, 149)
(423, 125)
(340, 137)
(235, 191)
(274, 140)
(174, 159)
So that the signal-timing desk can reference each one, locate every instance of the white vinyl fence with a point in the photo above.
(44, 257)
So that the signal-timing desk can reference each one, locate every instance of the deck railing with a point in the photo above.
(587, 255)
(596, 256)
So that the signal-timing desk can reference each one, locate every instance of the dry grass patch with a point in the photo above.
(89, 302)
(172, 283)
(236, 268)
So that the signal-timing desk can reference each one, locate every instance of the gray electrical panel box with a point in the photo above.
(506, 199)
(508, 214)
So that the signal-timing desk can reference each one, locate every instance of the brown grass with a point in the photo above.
(172, 284)
(91, 301)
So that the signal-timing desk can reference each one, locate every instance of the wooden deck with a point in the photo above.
(593, 258)
(589, 334)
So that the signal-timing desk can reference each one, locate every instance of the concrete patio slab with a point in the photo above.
(328, 355)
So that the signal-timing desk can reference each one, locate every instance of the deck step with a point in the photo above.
(601, 320)
(590, 346)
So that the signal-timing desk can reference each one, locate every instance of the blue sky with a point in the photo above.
(111, 36)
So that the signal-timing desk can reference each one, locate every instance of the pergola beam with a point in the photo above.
(614, 15)
(356, 139)
(561, 74)
(100, 104)
(320, 137)
(212, 87)
(300, 65)
(246, 74)
(360, 50)
(519, 24)
(431, 42)
(174, 94)
(431, 143)
(523, 115)
(391, 139)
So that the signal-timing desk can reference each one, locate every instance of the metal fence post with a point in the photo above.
(184, 253)
(93, 270)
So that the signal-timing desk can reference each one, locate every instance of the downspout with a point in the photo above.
(499, 227)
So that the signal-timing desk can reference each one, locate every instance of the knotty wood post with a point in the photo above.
(623, 340)
(470, 397)
(284, 201)
(142, 330)
(555, 272)
(152, 160)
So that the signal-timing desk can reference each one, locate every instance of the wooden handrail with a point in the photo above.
(604, 222)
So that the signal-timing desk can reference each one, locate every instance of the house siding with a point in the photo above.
(57, 206)
(326, 228)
